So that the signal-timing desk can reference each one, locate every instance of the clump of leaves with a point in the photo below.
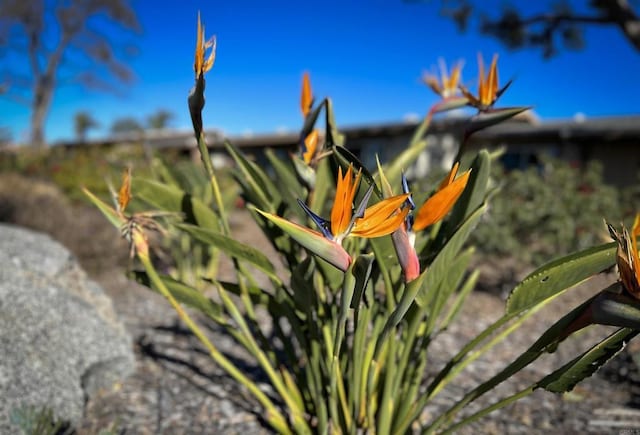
(548, 210)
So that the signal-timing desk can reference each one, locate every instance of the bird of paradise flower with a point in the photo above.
(378, 220)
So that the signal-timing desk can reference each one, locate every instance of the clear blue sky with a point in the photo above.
(367, 55)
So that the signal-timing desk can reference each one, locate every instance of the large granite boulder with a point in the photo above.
(60, 340)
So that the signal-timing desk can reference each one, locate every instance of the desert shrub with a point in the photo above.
(548, 210)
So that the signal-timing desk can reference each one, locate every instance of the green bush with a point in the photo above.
(550, 210)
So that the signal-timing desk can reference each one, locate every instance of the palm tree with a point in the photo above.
(126, 125)
(159, 120)
(82, 123)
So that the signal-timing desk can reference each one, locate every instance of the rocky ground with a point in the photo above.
(176, 389)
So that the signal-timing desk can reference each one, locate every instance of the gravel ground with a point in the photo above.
(176, 389)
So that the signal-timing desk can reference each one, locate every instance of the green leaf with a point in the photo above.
(344, 157)
(291, 190)
(411, 290)
(491, 117)
(315, 242)
(310, 120)
(324, 184)
(458, 303)
(306, 173)
(553, 278)
(441, 265)
(233, 248)
(449, 285)
(362, 272)
(108, 211)
(304, 291)
(186, 295)
(450, 103)
(565, 378)
(264, 193)
(394, 169)
(172, 199)
(334, 137)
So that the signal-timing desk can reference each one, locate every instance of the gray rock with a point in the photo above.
(60, 340)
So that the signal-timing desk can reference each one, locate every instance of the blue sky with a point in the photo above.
(368, 56)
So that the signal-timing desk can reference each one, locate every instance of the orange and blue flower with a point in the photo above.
(380, 219)
(432, 211)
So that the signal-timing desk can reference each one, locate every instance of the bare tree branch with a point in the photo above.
(545, 29)
(75, 40)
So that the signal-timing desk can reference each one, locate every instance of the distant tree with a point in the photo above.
(55, 42)
(544, 30)
(82, 123)
(159, 120)
(5, 137)
(126, 125)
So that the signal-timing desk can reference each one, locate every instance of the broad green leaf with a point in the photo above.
(439, 268)
(302, 285)
(291, 189)
(324, 185)
(565, 378)
(233, 248)
(253, 178)
(306, 173)
(450, 103)
(108, 211)
(162, 172)
(449, 285)
(346, 297)
(491, 117)
(457, 305)
(362, 272)
(334, 137)
(257, 295)
(409, 295)
(186, 295)
(310, 120)
(394, 169)
(386, 258)
(553, 278)
(172, 199)
(315, 242)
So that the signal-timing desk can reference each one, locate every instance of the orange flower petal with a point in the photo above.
(200, 65)
(449, 178)
(437, 207)
(343, 203)
(310, 144)
(452, 85)
(481, 83)
(124, 194)
(492, 82)
(306, 97)
(432, 82)
(199, 56)
(380, 217)
(387, 226)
